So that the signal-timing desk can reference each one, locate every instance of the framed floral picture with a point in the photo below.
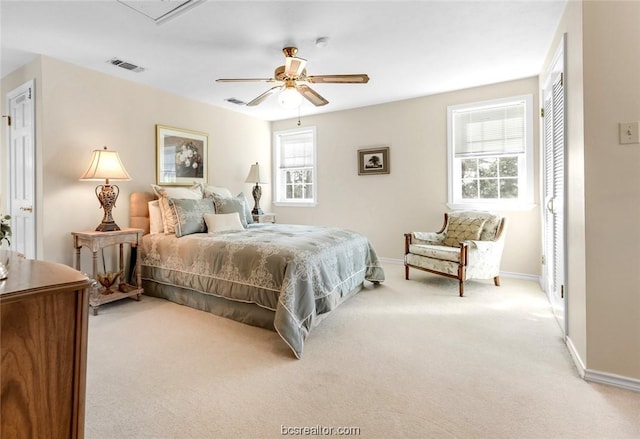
(373, 161)
(181, 156)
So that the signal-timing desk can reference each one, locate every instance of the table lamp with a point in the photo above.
(256, 176)
(106, 165)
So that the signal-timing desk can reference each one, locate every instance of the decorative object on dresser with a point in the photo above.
(106, 165)
(181, 156)
(43, 344)
(468, 246)
(5, 232)
(257, 176)
(373, 161)
(96, 241)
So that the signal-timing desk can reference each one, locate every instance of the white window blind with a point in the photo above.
(296, 151)
(491, 131)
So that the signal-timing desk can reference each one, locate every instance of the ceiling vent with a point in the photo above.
(236, 101)
(125, 65)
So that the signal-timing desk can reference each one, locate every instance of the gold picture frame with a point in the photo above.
(181, 156)
(374, 161)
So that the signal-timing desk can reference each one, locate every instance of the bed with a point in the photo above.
(276, 276)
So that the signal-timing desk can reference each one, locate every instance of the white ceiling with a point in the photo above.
(408, 48)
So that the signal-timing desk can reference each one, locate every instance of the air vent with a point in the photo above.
(125, 65)
(236, 101)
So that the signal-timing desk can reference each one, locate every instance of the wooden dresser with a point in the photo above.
(43, 339)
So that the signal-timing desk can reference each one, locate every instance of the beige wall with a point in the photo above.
(603, 189)
(414, 195)
(612, 185)
(81, 110)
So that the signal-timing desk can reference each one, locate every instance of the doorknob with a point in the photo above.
(27, 209)
(550, 205)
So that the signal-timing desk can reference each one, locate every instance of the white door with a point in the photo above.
(20, 103)
(553, 152)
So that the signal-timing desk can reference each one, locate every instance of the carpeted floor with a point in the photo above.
(405, 359)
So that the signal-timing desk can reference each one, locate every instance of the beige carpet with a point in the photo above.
(405, 359)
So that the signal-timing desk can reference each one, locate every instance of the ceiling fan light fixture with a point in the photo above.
(289, 98)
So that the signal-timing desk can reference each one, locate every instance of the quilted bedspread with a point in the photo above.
(299, 272)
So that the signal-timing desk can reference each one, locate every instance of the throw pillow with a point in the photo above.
(230, 205)
(247, 209)
(462, 229)
(222, 222)
(155, 217)
(190, 215)
(218, 190)
(164, 192)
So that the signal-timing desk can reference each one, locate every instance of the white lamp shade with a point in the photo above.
(289, 98)
(105, 165)
(256, 175)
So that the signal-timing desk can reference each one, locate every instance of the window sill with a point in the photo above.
(504, 207)
(294, 204)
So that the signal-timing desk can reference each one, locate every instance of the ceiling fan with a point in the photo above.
(292, 76)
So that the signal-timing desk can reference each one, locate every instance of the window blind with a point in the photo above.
(491, 130)
(296, 151)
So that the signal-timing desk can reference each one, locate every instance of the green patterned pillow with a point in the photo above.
(463, 229)
(230, 205)
(190, 214)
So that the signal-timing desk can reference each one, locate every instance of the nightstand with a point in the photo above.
(265, 218)
(95, 241)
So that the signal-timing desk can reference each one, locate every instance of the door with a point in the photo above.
(553, 152)
(20, 103)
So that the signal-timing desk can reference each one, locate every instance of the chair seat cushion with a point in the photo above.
(441, 252)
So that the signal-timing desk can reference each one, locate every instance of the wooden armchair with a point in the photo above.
(468, 246)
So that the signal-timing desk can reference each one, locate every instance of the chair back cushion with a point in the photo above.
(461, 228)
(488, 229)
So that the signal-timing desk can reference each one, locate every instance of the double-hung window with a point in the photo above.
(490, 154)
(295, 167)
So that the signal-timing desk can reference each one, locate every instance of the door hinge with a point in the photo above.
(29, 93)
(562, 291)
(8, 120)
(542, 112)
(543, 260)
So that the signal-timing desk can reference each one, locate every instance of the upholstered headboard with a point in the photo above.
(139, 210)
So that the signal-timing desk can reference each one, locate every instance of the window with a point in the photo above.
(295, 164)
(490, 153)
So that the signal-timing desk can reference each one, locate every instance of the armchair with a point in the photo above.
(468, 246)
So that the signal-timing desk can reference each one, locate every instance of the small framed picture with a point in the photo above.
(181, 156)
(373, 161)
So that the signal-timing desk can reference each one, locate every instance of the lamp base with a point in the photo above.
(107, 227)
(257, 193)
(107, 197)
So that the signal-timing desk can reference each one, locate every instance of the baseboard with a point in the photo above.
(611, 379)
(595, 376)
(505, 274)
(576, 357)
(391, 261)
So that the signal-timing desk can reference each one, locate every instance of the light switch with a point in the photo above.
(629, 132)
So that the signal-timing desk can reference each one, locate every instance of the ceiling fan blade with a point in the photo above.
(311, 95)
(263, 96)
(338, 79)
(293, 66)
(246, 80)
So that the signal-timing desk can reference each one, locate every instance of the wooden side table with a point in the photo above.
(95, 241)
